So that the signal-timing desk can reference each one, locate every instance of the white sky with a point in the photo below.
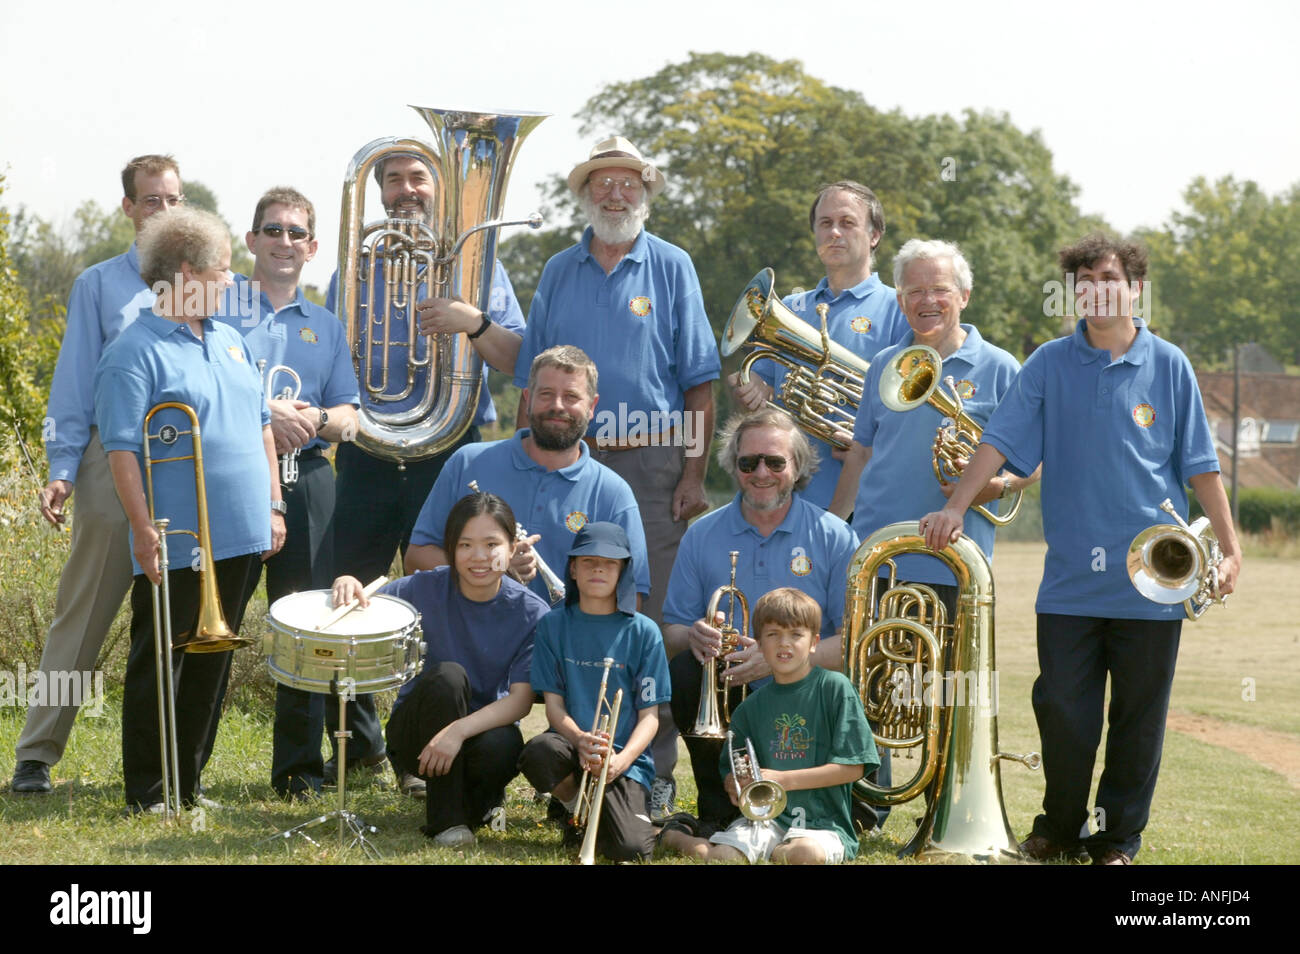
(252, 94)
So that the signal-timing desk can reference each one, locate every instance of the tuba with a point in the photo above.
(929, 683)
(1177, 563)
(714, 712)
(912, 379)
(824, 385)
(420, 395)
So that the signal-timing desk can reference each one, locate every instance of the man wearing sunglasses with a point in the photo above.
(105, 299)
(783, 539)
(286, 331)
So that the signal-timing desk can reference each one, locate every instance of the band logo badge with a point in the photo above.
(575, 521)
(800, 565)
(640, 306)
(307, 335)
(1144, 415)
(237, 353)
(861, 324)
(965, 389)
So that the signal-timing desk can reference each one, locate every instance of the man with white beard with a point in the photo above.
(632, 302)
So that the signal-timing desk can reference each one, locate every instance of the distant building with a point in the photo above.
(1269, 425)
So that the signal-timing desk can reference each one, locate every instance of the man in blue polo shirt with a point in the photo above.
(848, 222)
(283, 328)
(378, 500)
(783, 540)
(1114, 414)
(105, 299)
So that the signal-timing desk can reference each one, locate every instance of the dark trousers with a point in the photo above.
(1075, 655)
(714, 807)
(305, 563)
(375, 507)
(477, 781)
(199, 680)
(625, 832)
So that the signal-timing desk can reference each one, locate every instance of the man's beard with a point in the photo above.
(781, 499)
(556, 435)
(616, 228)
(424, 216)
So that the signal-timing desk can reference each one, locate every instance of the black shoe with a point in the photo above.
(1042, 848)
(31, 778)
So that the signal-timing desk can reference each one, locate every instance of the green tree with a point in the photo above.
(20, 400)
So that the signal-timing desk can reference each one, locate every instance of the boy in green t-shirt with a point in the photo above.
(811, 738)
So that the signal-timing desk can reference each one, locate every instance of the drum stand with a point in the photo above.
(348, 822)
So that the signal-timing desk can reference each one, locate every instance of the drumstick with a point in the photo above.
(351, 604)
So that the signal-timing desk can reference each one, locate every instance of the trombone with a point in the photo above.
(289, 461)
(1173, 564)
(591, 791)
(554, 585)
(761, 800)
(212, 634)
(912, 379)
(714, 712)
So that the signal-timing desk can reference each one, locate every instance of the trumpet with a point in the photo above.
(289, 461)
(1171, 564)
(912, 379)
(714, 712)
(591, 790)
(824, 386)
(554, 585)
(761, 800)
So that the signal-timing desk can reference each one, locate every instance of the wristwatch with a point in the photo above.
(324, 419)
(483, 326)
(280, 507)
(1006, 488)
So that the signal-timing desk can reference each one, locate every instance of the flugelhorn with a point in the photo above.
(289, 461)
(414, 408)
(913, 379)
(714, 712)
(591, 789)
(1172, 563)
(554, 585)
(930, 685)
(824, 386)
(760, 799)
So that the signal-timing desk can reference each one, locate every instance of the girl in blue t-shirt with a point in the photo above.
(454, 725)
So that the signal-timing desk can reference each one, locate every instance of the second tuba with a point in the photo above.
(419, 393)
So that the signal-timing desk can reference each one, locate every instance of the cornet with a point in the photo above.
(1173, 564)
(714, 712)
(591, 790)
(289, 461)
(761, 800)
(554, 585)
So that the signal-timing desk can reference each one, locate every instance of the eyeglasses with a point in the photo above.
(749, 463)
(156, 202)
(606, 184)
(939, 293)
(296, 232)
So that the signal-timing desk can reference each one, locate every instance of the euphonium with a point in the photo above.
(1177, 563)
(591, 789)
(406, 260)
(913, 379)
(289, 461)
(714, 712)
(925, 687)
(760, 799)
(824, 386)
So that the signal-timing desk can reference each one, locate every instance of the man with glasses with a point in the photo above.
(783, 539)
(847, 222)
(105, 299)
(284, 330)
(632, 302)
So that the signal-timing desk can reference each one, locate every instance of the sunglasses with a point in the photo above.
(296, 232)
(749, 463)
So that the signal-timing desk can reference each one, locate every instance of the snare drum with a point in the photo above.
(378, 647)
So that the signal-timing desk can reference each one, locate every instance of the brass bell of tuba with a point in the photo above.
(824, 386)
(1173, 563)
(930, 684)
(913, 378)
(714, 712)
(390, 264)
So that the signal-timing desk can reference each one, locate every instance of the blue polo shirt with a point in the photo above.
(569, 655)
(864, 319)
(304, 336)
(105, 299)
(503, 308)
(1115, 438)
(643, 324)
(810, 551)
(553, 503)
(157, 360)
(898, 482)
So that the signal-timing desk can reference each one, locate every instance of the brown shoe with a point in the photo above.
(1113, 856)
(1042, 848)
